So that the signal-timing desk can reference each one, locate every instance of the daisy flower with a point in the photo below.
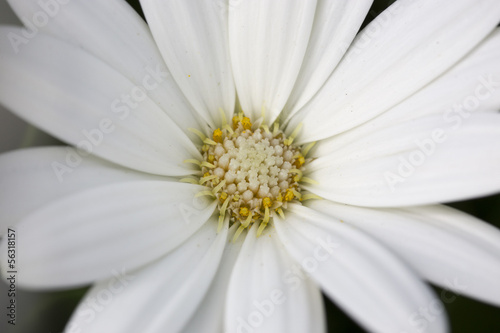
(233, 158)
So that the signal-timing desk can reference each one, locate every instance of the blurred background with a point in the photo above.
(47, 312)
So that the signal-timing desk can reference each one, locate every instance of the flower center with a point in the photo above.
(253, 173)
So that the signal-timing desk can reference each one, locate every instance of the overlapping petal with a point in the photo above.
(34, 177)
(193, 39)
(157, 298)
(445, 246)
(78, 98)
(471, 86)
(265, 296)
(268, 41)
(406, 47)
(418, 162)
(335, 26)
(79, 239)
(359, 274)
(209, 317)
(115, 33)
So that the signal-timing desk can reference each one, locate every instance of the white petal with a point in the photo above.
(193, 38)
(210, 313)
(34, 177)
(418, 162)
(79, 239)
(77, 98)
(115, 33)
(268, 40)
(473, 85)
(405, 48)
(265, 296)
(445, 246)
(158, 298)
(335, 25)
(361, 276)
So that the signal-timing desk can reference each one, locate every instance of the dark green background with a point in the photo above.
(48, 312)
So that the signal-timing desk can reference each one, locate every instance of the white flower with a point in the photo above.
(403, 120)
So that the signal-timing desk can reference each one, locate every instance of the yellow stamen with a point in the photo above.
(228, 128)
(237, 119)
(224, 206)
(207, 178)
(244, 211)
(262, 226)
(280, 212)
(294, 134)
(211, 158)
(297, 171)
(248, 220)
(198, 133)
(189, 180)
(207, 165)
(296, 194)
(193, 161)
(266, 215)
(218, 187)
(300, 161)
(218, 135)
(310, 196)
(235, 122)
(289, 195)
(204, 193)
(266, 128)
(246, 123)
(222, 215)
(210, 142)
(263, 113)
(238, 233)
(223, 196)
(276, 129)
(267, 202)
(307, 148)
(308, 180)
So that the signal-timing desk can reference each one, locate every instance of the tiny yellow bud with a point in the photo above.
(300, 161)
(218, 135)
(246, 123)
(267, 202)
(289, 195)
(236, 119)
(244, 211)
